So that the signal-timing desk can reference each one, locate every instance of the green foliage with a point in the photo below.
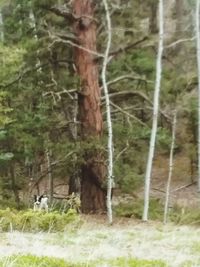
(135, 209)
(185, 216)
(128, 179)
(37, 221)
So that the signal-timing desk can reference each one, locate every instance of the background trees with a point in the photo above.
(50, 81)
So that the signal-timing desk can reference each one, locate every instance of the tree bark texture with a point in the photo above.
(93, 193)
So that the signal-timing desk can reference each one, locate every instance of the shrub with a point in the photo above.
(36, 221)
(135, 209)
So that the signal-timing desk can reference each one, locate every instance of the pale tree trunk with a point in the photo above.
(93, 171)
(33, 25)
(198, 69)
(171, 163)
(155, 113)
(108, 113)
(1, 27)
(50, 176)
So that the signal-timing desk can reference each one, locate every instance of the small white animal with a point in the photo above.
(41, 203)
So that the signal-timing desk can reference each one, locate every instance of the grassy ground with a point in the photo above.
(127, 243)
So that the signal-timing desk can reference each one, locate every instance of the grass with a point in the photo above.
(34, 261)
(30, 221)
(87, 242)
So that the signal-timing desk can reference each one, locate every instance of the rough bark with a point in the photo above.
(93, 193)
(198, 72)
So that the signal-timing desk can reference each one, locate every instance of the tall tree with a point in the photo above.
(108, 112)
(171, 163)
(198, 69)
(93, 190)
(155, 113)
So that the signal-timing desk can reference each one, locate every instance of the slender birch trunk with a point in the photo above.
(50, 176)
(155, 113)
(170, 167)
(198, 69)
(1, 27)
(108, 113)
(33, 25)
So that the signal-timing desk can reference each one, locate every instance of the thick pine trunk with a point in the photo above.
(93, 191)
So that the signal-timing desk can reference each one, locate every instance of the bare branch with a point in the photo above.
(141, 95)
(62, 12)
(57, 39)
(180, 41)
(128, 47)
(130, 77)
(128, 114)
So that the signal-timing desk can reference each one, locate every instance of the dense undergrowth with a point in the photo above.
(177, 215)
(29, 220)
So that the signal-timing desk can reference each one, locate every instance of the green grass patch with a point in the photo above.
(34, 261)
(121, 262)
(37, 221)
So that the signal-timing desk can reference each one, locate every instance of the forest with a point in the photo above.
(99, 133)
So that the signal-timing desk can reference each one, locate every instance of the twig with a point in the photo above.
(184, 186)
(179, 41)
(128, 77)
(128, 47)
(128, 114)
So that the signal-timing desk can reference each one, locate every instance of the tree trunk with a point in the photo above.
(198, 74)
(1, 27)
(155, 113)
(108, 113)
(171, 164)
(51, 183)
(93, 190)
(13, 184)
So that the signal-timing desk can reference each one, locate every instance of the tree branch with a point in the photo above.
(128, 114)
(130, 77)
(141, 95)
(128, 47)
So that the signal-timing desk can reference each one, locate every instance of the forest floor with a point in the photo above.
(95, 239)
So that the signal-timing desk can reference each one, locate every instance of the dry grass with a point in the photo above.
(97, 240)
